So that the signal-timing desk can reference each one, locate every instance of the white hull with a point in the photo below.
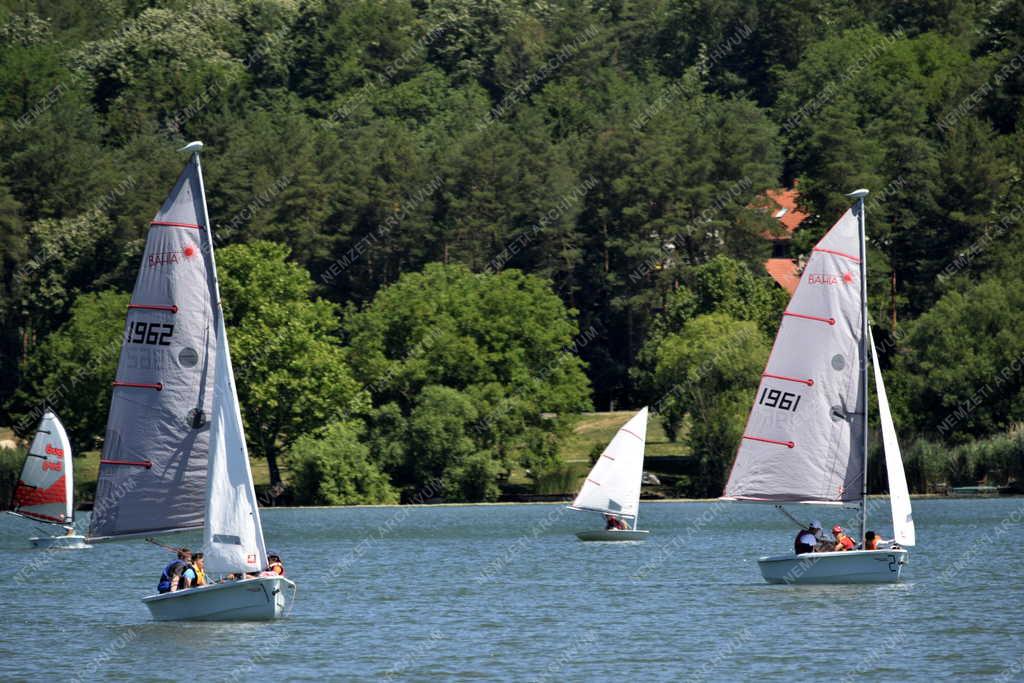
(258, 599)
(613, 535)
(852, 566)
(59, 542)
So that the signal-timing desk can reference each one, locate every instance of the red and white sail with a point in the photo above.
(804, 439)
(613, 485)
(45, 489)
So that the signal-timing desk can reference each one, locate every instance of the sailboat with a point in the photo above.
(613, 485)
(45, 491)
(805, 440)
(174, 457)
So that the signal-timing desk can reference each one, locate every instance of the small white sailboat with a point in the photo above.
(175, 456)
(45, 491)
(806, 437)
(613, 485)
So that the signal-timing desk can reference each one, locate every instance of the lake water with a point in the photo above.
(508, 593)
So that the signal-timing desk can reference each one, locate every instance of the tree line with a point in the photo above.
(423, 208)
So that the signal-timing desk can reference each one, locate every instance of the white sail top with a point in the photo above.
(899, 496)
(613, 484)
(45, 490)
(232, 533)
(803, 441)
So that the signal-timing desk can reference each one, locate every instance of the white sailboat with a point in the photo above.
(45, 491)
(613, 485)
(806, 438)
(175, 456)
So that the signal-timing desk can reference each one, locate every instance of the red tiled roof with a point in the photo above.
(787, 199)
(784, 271)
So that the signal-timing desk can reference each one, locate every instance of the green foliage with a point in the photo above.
(291, 373)
(71, 370)
(11, 460)
(709, 371)
(333, 467)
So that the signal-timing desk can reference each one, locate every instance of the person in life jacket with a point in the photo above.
(807, 539)
(613, 523)
(173, 577)
(199, 570)
(872, 540)
(843, 542)
(274, 564)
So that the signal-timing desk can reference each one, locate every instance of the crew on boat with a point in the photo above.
(274, 564)
(806, 540)
(843, 542)
(613, 523)
(198, 570)
(173, 577)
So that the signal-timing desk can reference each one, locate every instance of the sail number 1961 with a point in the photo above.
(775, 398)
(157, 334)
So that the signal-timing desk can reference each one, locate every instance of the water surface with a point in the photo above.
(508, 593)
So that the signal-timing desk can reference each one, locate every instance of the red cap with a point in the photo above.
(837, 529)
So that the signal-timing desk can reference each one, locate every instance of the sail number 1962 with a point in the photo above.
(157, 334)
(775, 398)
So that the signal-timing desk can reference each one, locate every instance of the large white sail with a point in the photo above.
(899, 495)
(803, 441)
(45, 490)
(152, 474)
(613, 484)
(232, 534)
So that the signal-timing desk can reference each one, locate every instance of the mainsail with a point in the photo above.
(153, 469)
(613, 484)
(45, 489)
(899, 496)
(804, 439)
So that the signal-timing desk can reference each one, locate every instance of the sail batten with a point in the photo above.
(803, 441)
(613, 484)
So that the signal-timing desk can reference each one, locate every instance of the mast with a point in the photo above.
(860, 195)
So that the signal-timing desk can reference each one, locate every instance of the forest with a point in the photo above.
(448, 227)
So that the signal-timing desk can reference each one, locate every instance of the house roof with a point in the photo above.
(784, 271)
(785, 209)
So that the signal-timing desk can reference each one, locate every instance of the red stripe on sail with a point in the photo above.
(808, 382)
(830, 321)
(787, 444)
(158, 386)
(171, 224)
(138, 463)
(26, 495)
(593, 482)
(607, 456)
(838, 253)
(631, 433)
(154, 307)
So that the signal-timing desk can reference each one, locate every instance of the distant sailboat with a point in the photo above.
(45, 491)
(175, 456)
(613, 485)
(806, 437)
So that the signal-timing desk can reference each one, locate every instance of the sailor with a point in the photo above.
(274, 563)
(807, 539)
(198, 575)
(613, 523)
(173, 573)
(843, 542)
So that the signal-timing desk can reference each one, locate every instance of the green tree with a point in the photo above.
(709, 371)
(291, 373)
(333, 467)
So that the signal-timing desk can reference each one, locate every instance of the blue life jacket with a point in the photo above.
(168, 575)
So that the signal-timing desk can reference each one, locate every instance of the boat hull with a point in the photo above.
(612, 535)
(853, 566)
(59, 542)
(257, 599)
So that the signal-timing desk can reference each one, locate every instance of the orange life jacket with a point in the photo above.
(845, 541)
(276, 567)
(872, 544)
